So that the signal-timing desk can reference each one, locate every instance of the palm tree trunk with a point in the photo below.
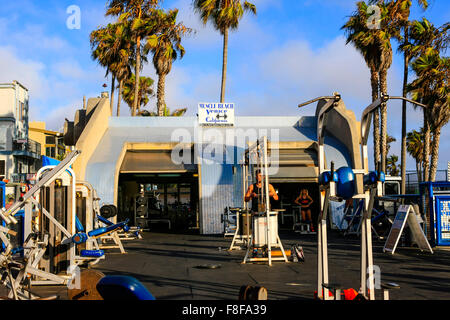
(119, 97)
(426, 146)
(161, 94)
(374, 79)
(383, 111)
(224, 66)
(419, 173)
(137, 73)
(434, 153)
(405, 92)
(113, 86)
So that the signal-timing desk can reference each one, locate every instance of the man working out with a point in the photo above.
(254, 192)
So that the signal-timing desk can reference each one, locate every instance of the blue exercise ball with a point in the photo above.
(326, 178)
(345, 188)
(373, 177)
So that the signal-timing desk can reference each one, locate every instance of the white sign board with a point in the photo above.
(406, 214)
(216, 114)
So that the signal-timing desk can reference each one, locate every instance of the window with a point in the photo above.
(391, 187)
(2, 168)
(50, 140)
(50, 152)
(20, 111)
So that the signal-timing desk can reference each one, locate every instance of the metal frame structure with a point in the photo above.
(92, 222)
(259, 153)
(368, 196)
(37, 243)
(328, 191)
(243, 240)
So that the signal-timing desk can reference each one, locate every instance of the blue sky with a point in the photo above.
(292, 51)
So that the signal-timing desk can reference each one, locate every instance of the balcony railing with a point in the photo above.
(18, 177)
(30, 146)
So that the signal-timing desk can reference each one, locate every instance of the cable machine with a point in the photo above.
(264, 235)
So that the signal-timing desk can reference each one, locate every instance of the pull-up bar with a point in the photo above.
(367, 113)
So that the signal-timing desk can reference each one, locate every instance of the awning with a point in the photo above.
(152, 161)
(295, 165)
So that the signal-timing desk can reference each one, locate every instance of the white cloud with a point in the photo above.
(28, 72)
(315, 72)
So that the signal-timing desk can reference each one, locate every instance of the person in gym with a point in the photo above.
(254, 191)
(305, 202)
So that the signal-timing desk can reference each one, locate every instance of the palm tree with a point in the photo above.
(432, 88)
(225, 15)
(125, 57)
(137, 12)
(391, 165)
(414, 146)
(167, 113)
(105, 51)
(166, 48)
(365, 41)
(389, 140)
(389, 29)
(144, 93)
(401, 12)
(426, 44)
(375, 46)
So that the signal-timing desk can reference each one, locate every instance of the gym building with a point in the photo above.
(176, 174)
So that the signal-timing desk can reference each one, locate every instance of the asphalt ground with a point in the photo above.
(171, 266)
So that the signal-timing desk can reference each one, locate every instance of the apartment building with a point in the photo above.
(19, 155)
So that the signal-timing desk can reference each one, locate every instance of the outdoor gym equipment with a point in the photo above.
(355, 183)
(229, 220)
(264, 235)
(49, 208)
(379, 220)
(243, 229)
(345, 183)
(87, 212)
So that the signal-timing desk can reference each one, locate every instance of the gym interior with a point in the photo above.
(287, 193)
(155, 193)
(166, 202)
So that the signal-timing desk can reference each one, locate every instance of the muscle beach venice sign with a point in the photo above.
(216, 114)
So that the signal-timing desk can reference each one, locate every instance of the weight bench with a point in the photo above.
(100, 233)
(123, 234)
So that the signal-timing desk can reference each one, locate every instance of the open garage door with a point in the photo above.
(158, 194)
(297, 170)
